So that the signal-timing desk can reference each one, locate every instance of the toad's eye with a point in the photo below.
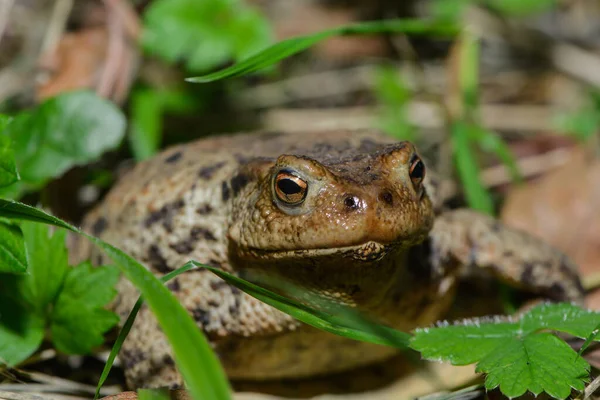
(289, 188)
(416, 171)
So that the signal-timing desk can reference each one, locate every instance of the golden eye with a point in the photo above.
(289, 188)
(416, 171)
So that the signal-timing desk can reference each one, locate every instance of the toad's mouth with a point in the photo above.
(369, 251)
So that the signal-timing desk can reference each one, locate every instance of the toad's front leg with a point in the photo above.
(467, 239)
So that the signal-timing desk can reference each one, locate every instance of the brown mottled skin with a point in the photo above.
(365, 234)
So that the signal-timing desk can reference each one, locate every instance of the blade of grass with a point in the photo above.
(589, 340)
(346, 322)
(490, 142)
(200, 368)
(465, 127)
(127, 327)
(289, 47)
(468, 169)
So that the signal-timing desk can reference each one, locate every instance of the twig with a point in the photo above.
(5, 7)
(58, 21)
(591, 388)
(114, 52)
(517, 118)
(19, 396)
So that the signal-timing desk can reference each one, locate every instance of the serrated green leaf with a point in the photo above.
(71, 129)
(537, 363)
(289, 47)
(563, 317)
(48, 261)
(462, 344)
(13, 258)
(79, 319)
(204, 34)
(21, 331)
(200, 368)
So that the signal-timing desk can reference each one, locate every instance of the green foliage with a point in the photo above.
(8, 168)
(453, 9)
(337, 320)
(583, 123)
(79, 318)
(21, 331)
(147, 108)
(127, 327)
(517, 356)
(204, 34)
(200, 368)
(504, 350)
(153, 394)
(287, 48)
(71, 129)
(68, 300)
(393, 97)
(466, 131)
(12, 249)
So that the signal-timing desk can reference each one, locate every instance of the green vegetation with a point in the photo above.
(42, 296)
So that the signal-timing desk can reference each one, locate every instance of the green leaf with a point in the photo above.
(48, 261)
(289, 47)
(205, 33)
(21, 332)
(80, 319)
(71, 129)
(563, 317)
(462, 344)
(517, 355)
(12, 249)
(538, 363)
(8, 168)
(340, 321)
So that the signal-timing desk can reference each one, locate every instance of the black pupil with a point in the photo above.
(288, 186)
(418, 170)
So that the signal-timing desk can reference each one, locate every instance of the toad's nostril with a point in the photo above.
(351, 202)
(387, 198)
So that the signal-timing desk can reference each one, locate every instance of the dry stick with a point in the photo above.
(522, 119)
(58, 21)
(19, 396)
(572, 60)
(130, 63)
(114, 52)
(4, 13)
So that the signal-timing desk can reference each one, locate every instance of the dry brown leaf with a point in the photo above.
(561, 208)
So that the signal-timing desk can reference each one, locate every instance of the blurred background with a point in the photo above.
(523, 74)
